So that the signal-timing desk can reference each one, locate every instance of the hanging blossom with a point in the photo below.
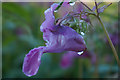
(58, 38)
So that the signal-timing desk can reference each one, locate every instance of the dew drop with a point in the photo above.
(55, 10)
(72, 4)
(80, 52)
(82, 33)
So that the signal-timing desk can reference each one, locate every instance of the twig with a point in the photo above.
(86, 6)
(96, 8)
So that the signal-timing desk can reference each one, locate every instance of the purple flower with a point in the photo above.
(58, 38)
(94, 7)
(68, 58)
(101, 9)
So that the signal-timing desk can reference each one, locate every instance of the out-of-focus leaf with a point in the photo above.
(16, 11)
(9, 25)
(29, 39)
(105, 68)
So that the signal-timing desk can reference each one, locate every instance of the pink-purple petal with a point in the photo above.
(32, 61)
(50, 19)
(63, 39)
(101, 9)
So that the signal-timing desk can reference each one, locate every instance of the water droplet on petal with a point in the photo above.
(72, 4)
(80, 52)
(82, 33)
(55, 10)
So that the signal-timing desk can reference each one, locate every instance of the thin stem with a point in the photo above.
(96, 8)
(86, 6)
(110, 42)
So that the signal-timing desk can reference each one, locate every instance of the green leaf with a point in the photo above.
(14, 9)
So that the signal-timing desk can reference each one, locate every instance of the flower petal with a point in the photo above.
(50, 19)
(101, 9)
(60, 38)
(32, 61)
(63, 39)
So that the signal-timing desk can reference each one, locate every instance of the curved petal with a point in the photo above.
(64, 39)
(60, 38)
(54, 6)
(50, 19)
(32, 61)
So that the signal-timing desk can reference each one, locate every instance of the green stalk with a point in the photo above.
(110, 42)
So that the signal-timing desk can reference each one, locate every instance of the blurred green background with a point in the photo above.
(21, 33)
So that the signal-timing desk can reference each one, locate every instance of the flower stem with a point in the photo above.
(110, 42)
